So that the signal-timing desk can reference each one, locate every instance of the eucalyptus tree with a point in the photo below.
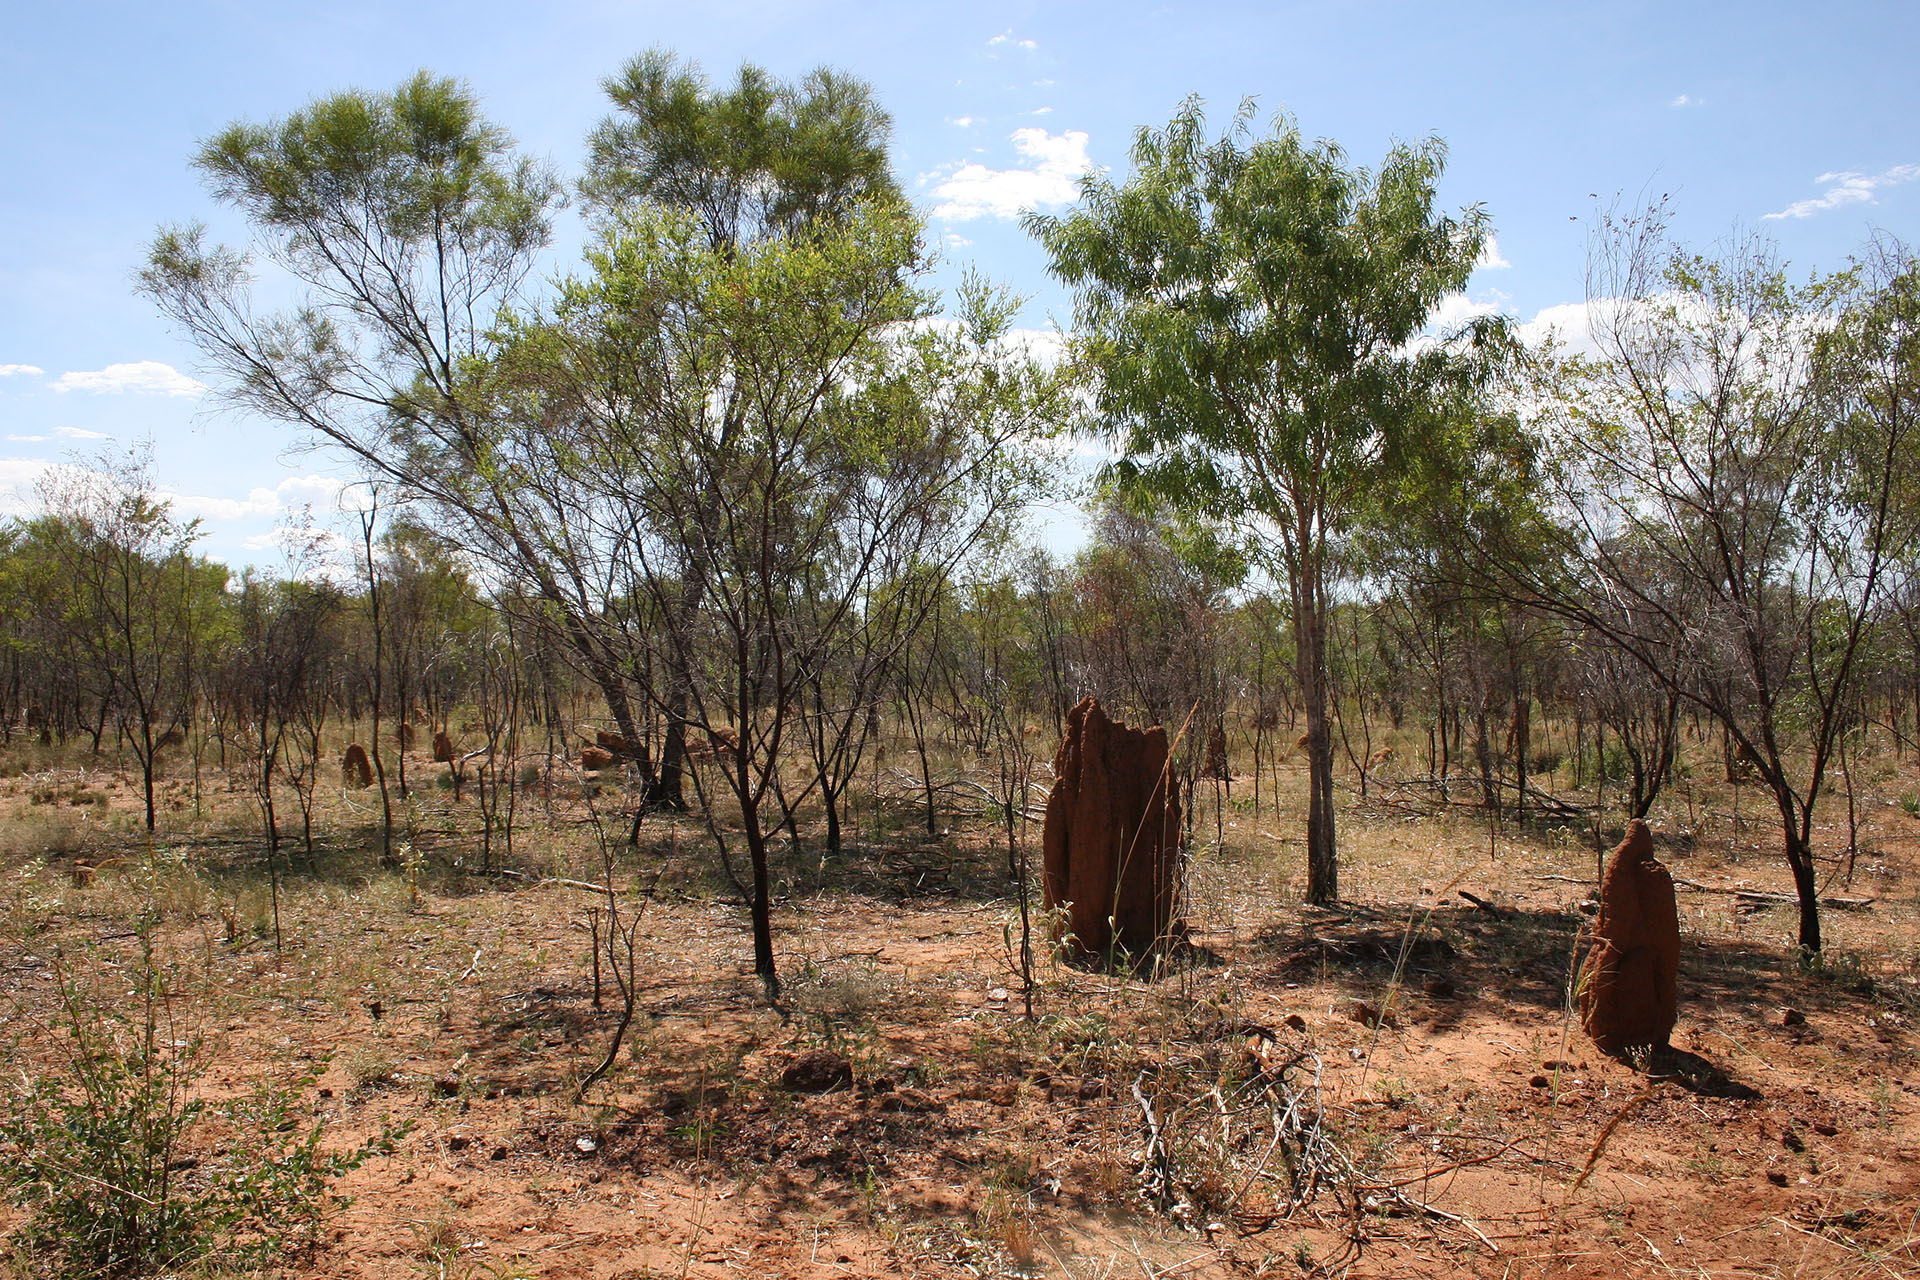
(1250, 307)
(47, 680)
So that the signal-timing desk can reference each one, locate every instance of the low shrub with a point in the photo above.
(124, 1168)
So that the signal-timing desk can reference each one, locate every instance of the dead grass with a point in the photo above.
(1452, 1083)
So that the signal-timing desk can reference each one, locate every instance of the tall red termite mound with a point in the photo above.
(355, 769)
(442, 748)
(1112, 834)
(1629, 987)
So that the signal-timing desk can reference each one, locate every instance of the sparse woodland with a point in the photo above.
(628, 865)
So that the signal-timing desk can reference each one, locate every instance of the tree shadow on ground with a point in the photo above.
(1442, 964)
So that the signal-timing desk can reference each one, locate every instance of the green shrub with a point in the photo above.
(122, 1170)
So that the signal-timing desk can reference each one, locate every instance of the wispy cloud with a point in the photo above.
(1687, 100)
(140, 377)
(962, 121)
(20, 370)
(1490, 259)
(1848, 188)
(1051, 178)
(64, 433)
(1006, 38)
(291, 493)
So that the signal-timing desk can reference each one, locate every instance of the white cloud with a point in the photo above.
(1456, 309)
(1043, 111)
(1490, 259)
(20, 370)
(1002, 38)
(18, 478)
(957, 241)
(962, 121)
(142, 377)
(28, 439)
(1848, 188)
(1057, 161)
(1687, 100)
(80, 433)
(1026, 44)
(1043, 84)
(261, 503)
(1569, 323)
(1046, 347)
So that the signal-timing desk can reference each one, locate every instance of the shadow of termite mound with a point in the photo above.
(1696, 1075)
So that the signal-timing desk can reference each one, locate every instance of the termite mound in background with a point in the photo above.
(355, 769)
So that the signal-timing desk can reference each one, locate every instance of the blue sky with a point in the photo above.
(1794, 118)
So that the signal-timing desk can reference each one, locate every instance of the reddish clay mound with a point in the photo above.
(1216, 766)
(355, 769)
(1629, 988)
(1112, 834)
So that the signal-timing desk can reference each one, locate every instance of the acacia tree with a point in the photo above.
(760, 428)
(137, 599)
(1731, 469)
(747, 166)
(405, 223)
(1249, 307)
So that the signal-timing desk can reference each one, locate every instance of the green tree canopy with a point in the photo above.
(1253, 309)
(761, 159)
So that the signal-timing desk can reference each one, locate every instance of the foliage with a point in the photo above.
(1730, 476)
(125, 1167)
(761, 160)
(1250, 309)
(406, 222)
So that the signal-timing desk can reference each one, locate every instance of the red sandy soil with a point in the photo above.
(974, 1141)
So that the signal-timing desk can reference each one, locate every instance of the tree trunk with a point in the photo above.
(1323, 870)
(828, 795)
(1522, 735)
(761, 906)
(146, 754)
(1800, 859)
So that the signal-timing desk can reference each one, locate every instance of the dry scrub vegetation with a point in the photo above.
(1392, 1088)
